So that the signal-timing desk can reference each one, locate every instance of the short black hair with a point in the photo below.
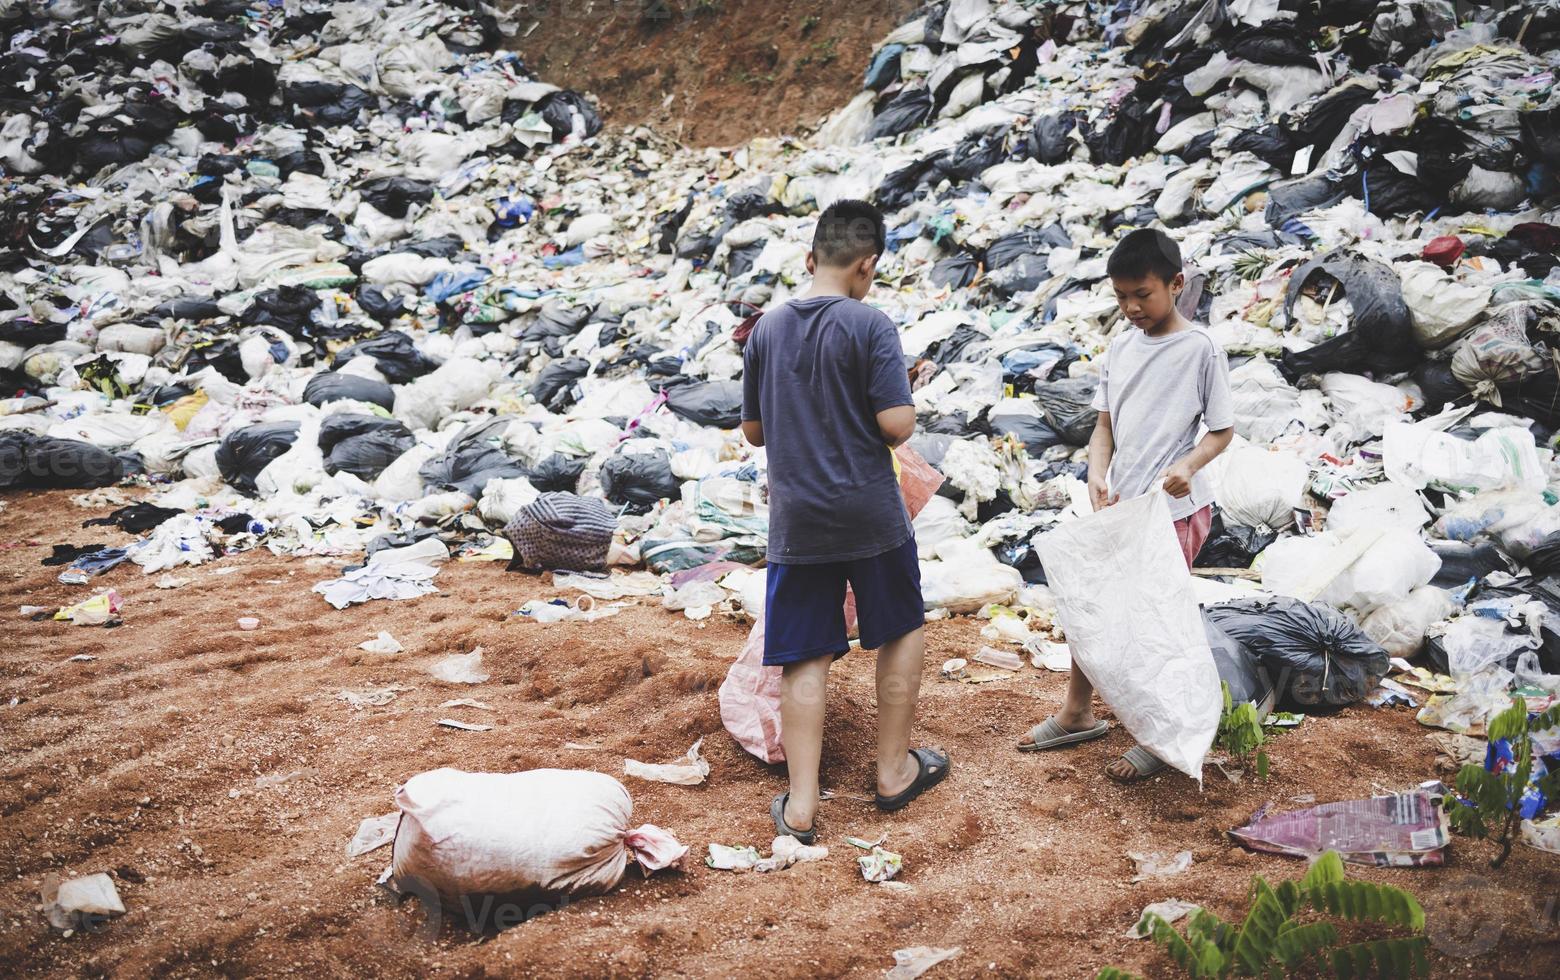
(1142, 252)
(849, 231)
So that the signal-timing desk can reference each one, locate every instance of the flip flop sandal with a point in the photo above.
(933, 769)
(783, 829)
(1143, 762)
(1050, 734)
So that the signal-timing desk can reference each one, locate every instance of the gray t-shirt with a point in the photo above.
(1158, 391)
(816, 372)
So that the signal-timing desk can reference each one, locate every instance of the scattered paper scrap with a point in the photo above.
(1156, 864)
(168, 580)
(463, 726)
(913, 961)
(373, 833)
(690, 770)
(383, 643)
(1044, 654)
(1171, 910)
(371, 699)
(784, 852)
(460, 668)
(726, 858)
(467, 703)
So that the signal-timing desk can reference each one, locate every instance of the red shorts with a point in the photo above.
(1193, 531)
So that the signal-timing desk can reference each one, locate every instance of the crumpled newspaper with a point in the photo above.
(784, 852)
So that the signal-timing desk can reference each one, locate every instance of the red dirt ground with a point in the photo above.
(733, 69)
(216, 776)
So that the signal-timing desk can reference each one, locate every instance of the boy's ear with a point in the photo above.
(812, 265)
(868, 267)
(1178, 283)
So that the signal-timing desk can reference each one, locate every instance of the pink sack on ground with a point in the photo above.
(750, 694)
(750, 700)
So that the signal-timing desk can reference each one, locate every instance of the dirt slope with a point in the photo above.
(217, 776)
(709, 72)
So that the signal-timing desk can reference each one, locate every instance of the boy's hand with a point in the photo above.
(1099, 493)
(1178, 479)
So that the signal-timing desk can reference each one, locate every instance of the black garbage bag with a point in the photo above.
(739, 260)
(559, 108)
(1065, 404)
(669, 225)
(1232, 545)
(1271, 44)
(1462, 562)
(957, 271)
(394, 196)
(639, 480)
(884, 69)
(1130, 130)
(186, 308)
(1030, 241)
(1051, 141)
(1021, 276)
(1035, 433)
(287, 308)
(472, 460)
(245, 452)
(135, 519)
(362, 445)
(558, 473)
(336, 386)
(908, 182)
(554, 384)
(907, 110)
(29, 461)
(329, 103)
(1315, 654)
(1291, 198)
(976, 155)
(1247, 678)
(964, 344)
(1268, 143)
(712, 403)
(1440, 385)
(932, 446)
(1390, 193)
(27, 332)
(399, 539)
(394, 354)
(1541, 135)
(1380, 336)
(1536, 396)
(555, 320)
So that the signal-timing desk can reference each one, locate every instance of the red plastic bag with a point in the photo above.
(750, 694)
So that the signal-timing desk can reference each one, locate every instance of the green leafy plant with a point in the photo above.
(1272, 942)
(1241, 735)
(1487, 804)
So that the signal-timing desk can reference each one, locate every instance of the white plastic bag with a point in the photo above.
(1443, 308)
(1419, 455)
(967, 577)
(1124, 597)
(1369, 405)
(938, 521)
(537, 836)
(1261, 488)
(1400, 627)
(1386, 504)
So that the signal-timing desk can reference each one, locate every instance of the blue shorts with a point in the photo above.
(804, 608)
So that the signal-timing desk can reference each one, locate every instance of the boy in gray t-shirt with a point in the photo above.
(1161, 383)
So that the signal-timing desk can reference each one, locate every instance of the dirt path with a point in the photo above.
(709, 72)
(217, 776)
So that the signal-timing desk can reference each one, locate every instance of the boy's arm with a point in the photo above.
(752, 417)
(888, 386)
(897, 425)
(753, 430)
(1218, 416)
(1102, 446)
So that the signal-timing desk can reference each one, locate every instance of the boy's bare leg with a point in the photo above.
(1077, 711)
(802, 698)
(898, 690)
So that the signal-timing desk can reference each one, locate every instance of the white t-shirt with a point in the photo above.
(1160, 393)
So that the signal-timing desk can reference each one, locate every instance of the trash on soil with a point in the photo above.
(993, 657)
(691, 770)
(80, 903)
(1170, 910)
(1543, 834)
(1156, 864)
(460, 668)
(383, 643)
(100, 610)
(546, 833)
(1405, 830)
(463, 726)
(913, 961)
(248, 623)
(467, 703)
(373, 833)
(784, 852)
(371, 699)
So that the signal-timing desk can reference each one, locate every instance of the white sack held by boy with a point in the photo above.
(1124, 598)
(533, 838)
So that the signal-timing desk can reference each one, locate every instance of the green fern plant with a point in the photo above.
(1487, 804)
(1240, 733)
(1271, 942)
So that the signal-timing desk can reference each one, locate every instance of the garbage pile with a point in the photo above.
(343, 278)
